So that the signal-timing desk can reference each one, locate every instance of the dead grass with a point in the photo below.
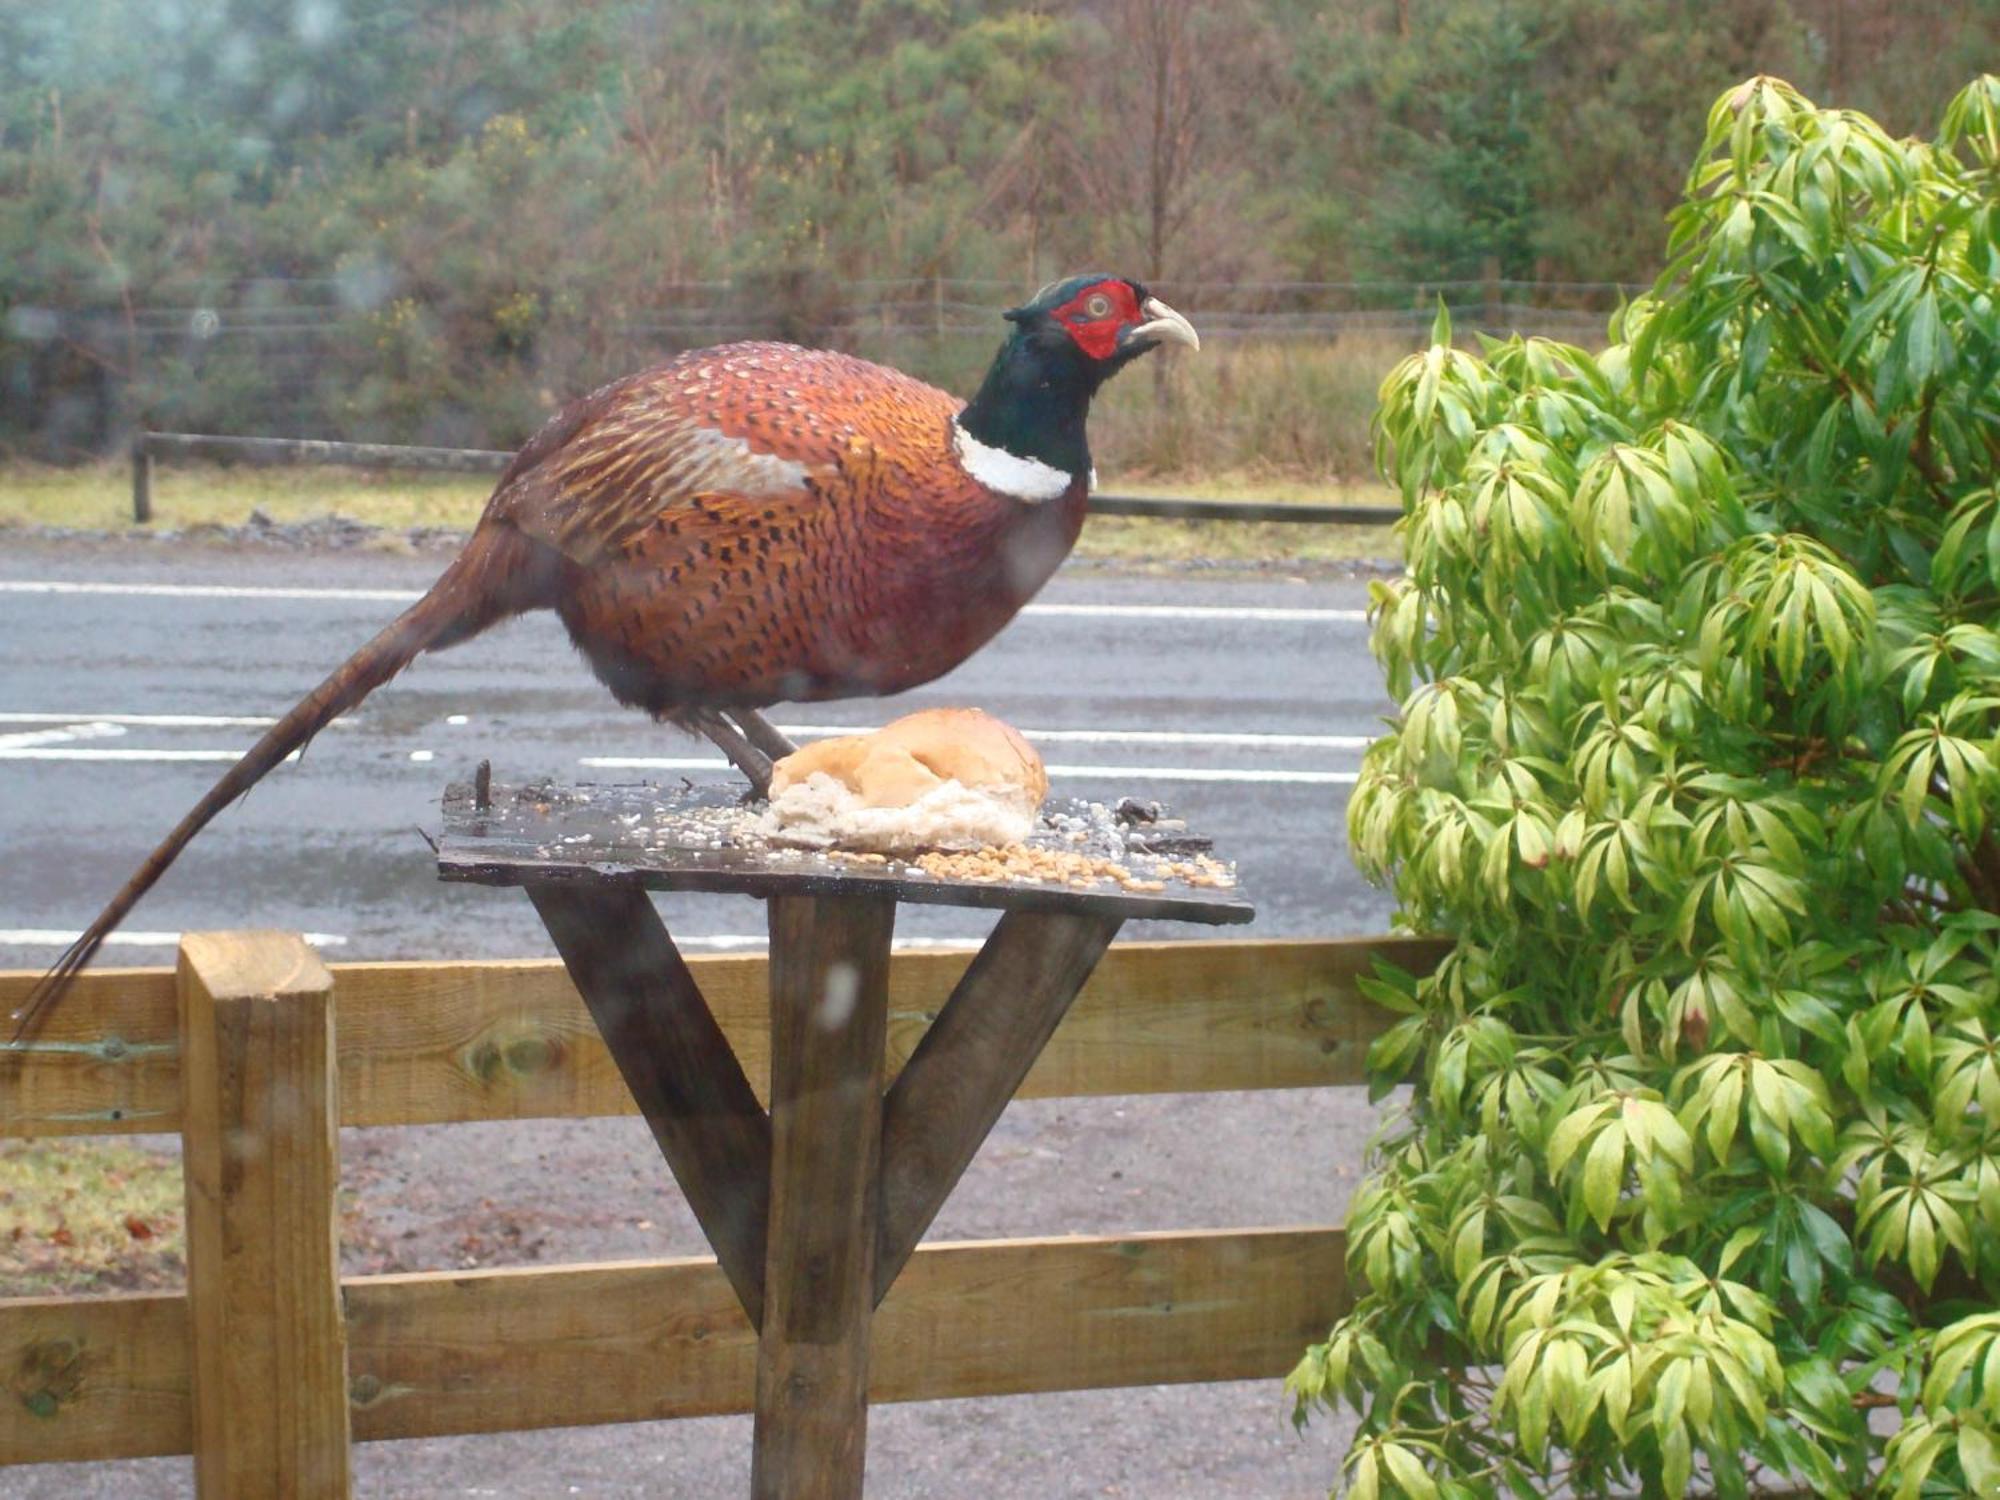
(89, 1215)
(1139, 539)
(98, 497)
(1288, 407)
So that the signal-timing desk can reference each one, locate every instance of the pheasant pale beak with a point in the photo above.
(1165, 326)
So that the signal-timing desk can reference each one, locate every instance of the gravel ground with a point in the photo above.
(574, 1190)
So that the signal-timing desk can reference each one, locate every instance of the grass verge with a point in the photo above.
(89, 1215)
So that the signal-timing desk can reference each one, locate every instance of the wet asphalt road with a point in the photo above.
(329, 847)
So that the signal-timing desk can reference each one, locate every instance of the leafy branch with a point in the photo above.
(1699, 657)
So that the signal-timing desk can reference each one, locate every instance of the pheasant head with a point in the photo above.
(1066, 342)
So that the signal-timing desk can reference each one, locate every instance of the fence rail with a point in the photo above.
(148, 447)
(430, 1354)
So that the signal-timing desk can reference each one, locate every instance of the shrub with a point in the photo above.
(1697, 1189)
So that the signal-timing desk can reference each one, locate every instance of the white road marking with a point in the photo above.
(153, 721)
(407, 596)
(1104, 773)
(94, 730)
(38, 753)
(205, 591)
(1198, 612)
(1133, 737)
(51, 937)
(1246, 740)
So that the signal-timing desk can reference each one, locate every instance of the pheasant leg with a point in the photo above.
(762, 733)
(746, 757)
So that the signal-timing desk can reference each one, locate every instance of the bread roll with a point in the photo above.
(944, 778)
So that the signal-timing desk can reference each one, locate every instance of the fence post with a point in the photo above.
(260, 1152)
(142, 479)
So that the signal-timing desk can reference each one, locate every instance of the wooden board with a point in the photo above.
(431, 1043)
(544, 832)
(441, 1352)
(94, 1377)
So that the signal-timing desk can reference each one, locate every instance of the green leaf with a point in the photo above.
(1604, 1175)
(1979, 1460)
(1441, 325)
(1408, 1472)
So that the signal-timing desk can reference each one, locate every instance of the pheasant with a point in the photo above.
(752, 524)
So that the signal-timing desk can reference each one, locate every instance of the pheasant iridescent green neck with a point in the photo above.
(1034, 400)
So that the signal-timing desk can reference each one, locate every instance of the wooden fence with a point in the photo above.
(147, 447)
(252, 1052)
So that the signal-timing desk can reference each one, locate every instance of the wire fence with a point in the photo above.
(338, 356)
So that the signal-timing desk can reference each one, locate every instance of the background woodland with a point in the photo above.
(426, 221)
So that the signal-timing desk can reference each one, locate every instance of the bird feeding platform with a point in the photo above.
(815, 1205)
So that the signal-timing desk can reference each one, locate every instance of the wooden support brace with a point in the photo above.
(971, 1061)
(829, 1014)
(260, 1152)
(679, 1066)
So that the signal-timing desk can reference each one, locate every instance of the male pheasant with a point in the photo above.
(757, 523)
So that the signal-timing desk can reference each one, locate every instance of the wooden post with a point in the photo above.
(1489, 281)
(260, 1152)
(142, 480)
(829, 1014)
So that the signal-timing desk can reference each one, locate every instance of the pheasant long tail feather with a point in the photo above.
(494, 577)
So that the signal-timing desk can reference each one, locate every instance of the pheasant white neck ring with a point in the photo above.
(1026, 479)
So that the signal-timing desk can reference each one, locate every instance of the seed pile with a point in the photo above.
(1077, 845)
(1071, 868)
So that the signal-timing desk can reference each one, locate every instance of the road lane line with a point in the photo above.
(1074, 773)
(149, 721)
(91, 730)
(1251, 613)
(1249, 740)
(52, 753)
(1258, 613)
(206, 591)
(53, 937)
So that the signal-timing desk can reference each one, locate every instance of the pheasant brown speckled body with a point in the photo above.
(756, 523)
(760, 523)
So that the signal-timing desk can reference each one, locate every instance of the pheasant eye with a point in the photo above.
(1098, 306)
